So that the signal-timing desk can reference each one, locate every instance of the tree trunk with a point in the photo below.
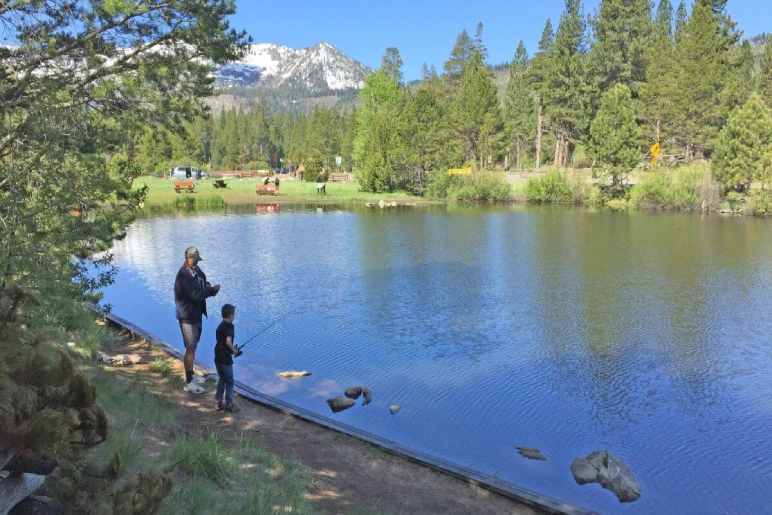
(557, 157)
(539, 129)
(658, 132)
(519, 162)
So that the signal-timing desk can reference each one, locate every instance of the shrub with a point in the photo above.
(314, 171)
(552, 188)
(204, 457)
(481, 187)
(760, 202)
(440, 182)
(678, 189)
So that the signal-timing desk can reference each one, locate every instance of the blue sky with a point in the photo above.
(424, 31)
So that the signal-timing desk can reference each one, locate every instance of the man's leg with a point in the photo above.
(191, 334)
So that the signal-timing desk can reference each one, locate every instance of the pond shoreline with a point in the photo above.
(409, 463)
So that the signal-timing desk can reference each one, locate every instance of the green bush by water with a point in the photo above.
(677, 189)
(481, 187)
(553, 188)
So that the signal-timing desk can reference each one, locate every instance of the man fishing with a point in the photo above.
(191, 290)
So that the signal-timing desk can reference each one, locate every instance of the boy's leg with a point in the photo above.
(220, 386)
(228, 378)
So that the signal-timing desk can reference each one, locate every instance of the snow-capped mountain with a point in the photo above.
(315, 70)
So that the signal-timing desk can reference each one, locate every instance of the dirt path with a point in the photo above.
(347, 475)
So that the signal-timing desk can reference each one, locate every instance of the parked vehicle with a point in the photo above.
(187, 172)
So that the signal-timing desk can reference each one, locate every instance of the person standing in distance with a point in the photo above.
(191, 290)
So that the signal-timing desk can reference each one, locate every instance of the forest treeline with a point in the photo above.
(598, 91)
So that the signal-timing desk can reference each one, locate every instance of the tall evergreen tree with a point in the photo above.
(565, 90)
(623, 32)
(658, 93)
(681, 17)
(519, 106)
(706, 74)
(476, 114)
(744, 145)
(547, 37)
(664, 17)
(378, 144)
(462, 50)
(391, 64)
(615, 137)
(765, 73)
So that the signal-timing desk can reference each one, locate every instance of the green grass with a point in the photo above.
(162, 366)
(204, 458)
(242, 191)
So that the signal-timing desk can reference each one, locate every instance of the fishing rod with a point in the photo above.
(263, 331)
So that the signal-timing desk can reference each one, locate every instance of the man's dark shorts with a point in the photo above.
(191, 334)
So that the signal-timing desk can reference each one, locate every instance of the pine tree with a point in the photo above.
(391, 64)
(706, 74)
(680, 19)
(547, 37)
(519, 106)
(743, 146)
(623, 31)
(478, 41)
(765, 73)
(615, 136)
(664, 17)
(378, 144)
(476, 115)
(462, 50)
(658, 94)
(565, 90)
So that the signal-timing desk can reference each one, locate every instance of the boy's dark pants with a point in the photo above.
(224, 383)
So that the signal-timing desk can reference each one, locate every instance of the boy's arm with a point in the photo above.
(231, 346)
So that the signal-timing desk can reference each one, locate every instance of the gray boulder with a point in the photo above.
(339, 404)
(353, 392)
(531, 453)
(610, 472)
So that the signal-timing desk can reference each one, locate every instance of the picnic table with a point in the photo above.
(185, 185)
(267, 189)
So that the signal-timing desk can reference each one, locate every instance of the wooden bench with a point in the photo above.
(267, 189)
(186, 185)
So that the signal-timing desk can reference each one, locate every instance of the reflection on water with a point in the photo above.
(565, 330)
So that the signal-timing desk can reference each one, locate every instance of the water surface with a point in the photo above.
(566, 330)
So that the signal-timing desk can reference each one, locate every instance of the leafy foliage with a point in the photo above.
(744, 147)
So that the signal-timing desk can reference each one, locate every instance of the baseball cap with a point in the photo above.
(193, 252)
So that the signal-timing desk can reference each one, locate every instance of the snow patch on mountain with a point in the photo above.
(317, 69)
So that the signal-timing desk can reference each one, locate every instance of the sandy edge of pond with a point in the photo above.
(347, 475)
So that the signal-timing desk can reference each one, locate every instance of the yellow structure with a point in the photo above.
(464, 170)
(655, 151)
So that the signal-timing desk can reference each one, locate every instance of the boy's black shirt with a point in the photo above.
(222, 354)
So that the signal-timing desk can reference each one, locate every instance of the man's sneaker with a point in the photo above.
(232, 408)
(193, 388)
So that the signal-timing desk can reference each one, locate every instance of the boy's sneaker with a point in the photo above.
(193, 388)
(220, 406)
(232, 408)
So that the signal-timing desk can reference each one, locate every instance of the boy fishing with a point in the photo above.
(224, 352)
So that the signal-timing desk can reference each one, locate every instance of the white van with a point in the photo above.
(187, 172)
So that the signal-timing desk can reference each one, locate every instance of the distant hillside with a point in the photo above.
(288, 79)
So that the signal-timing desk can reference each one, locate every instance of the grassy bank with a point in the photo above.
(242, 191)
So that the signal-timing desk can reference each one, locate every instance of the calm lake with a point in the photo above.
(646, 334)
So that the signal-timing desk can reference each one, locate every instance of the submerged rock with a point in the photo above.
(293, 374)
(367, 395)
(610, 472)
(394, 408)
(339, 404)
(531, 453)
(354, 392)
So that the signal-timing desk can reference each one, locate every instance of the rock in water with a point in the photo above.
(340, 403)
(354, 392)
(394, 408)
(531, 453)
(368, 396)
(608, 470)
(292, 374)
